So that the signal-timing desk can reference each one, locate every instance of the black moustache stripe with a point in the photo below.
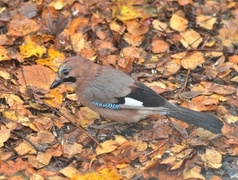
(70, 79)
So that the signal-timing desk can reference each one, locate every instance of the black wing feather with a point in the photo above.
(144, 94)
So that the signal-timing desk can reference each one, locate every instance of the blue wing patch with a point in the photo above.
(107, 105)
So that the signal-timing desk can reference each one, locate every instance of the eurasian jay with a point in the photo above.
(118, 97)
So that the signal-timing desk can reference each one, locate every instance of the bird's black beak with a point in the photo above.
(56, 83)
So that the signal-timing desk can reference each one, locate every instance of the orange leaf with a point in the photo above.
(193, 60)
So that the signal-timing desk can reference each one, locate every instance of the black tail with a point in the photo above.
(204, 120)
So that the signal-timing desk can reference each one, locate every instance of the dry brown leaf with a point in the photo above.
(218, 88)
(78, 41)
(25, 148)
(70, 172)
(132, 39)
(157, 86)
(11, 168)
(178, 23)
(159, 46)
(170, 67)
(4, 39)
(203, 103)
(207, 88)
(229, 33)
(185, 2)
(160, 26)
(216, 178)
(21, 25)
(4, 136)
(87, 116)
(233, 59)
(136, 28)
(37, 177)
(114, 26)
(193, 60)
(139, 145)
(212, 158)
(45, 136)
(193, 173)
(206, 22)
(120, 139)
(106, 147)
(179, 55)
(71, 149)
(190, 39)
(76, 23)
(36, 76)
(43, 158)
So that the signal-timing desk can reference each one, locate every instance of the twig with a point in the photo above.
(184, 85)
(78, 126)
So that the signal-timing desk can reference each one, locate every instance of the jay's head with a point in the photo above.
(67, 72)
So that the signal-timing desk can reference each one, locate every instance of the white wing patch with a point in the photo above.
(132, 102)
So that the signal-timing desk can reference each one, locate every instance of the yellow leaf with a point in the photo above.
(53, 61)
(10, 114)
(104, 174)
(106, 147)
(4, 54)
(125, 11)
(30, 48)
(55, 98)
(88, 116)
(58, 4)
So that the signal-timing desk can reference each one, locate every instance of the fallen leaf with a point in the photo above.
(21, 26)
(54, 98)
(43, 158)
(36, 76)
(193, 173)
(31, 48)
(4, 136)
(159, 46)
(4, 54)
(106, 147)
(190, 39)
(193, 60)
(178, 23)
(70, 172)
(206, 22)
(160, 26)
(71, 149)
(24, 148)
(212, 158)
(103, 174)
(136, 28)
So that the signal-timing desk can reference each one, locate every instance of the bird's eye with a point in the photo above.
(65, 72)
